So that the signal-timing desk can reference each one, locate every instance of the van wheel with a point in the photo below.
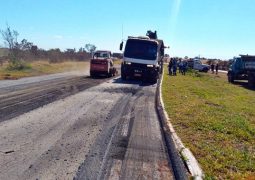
(231, 78)
(205, 70)
(251, 80)
(92, 74)
(109, 74)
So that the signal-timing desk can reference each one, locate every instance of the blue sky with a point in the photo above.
(210, 28)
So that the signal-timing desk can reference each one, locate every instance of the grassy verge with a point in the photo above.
(42, 67)
(215, 120)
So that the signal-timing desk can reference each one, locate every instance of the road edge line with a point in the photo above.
(185, 154)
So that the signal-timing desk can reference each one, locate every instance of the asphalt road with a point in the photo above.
(82, 128)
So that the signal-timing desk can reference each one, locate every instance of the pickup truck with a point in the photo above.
(198, 65)
(102, 64)
(242, 68)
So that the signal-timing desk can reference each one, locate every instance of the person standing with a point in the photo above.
(212, 68)
(174, 66)
(217, 68)
(180, 65)
(184, 67)
(170, 65)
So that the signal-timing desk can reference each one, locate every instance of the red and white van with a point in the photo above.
(102, 64)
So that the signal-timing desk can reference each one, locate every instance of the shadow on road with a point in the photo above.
(132, 81)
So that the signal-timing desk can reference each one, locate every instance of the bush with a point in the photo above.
(17, 65)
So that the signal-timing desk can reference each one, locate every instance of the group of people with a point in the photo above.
(175, 63)
(216, 67)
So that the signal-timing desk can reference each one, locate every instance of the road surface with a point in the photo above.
(82, 128)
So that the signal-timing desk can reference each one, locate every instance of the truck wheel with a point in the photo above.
(231, 78)
(206, 70)
(123, 76)
(251, 80)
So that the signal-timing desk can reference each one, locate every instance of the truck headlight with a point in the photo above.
(128, 63)
(149, 65)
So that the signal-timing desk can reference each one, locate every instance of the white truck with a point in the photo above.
(143, 57)
(198, 65)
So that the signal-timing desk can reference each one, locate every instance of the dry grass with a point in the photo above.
(117, 62)
(216, 120)
(43, 67)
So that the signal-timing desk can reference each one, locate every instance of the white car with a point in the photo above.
(198, 65)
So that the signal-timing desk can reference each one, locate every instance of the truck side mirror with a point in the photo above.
(121, 45)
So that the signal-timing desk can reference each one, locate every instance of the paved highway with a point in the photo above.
(77, 127)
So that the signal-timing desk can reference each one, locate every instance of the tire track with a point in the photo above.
(16, 103)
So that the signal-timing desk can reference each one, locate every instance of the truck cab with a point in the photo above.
(242, 68)
(102, 64)
(142, 58)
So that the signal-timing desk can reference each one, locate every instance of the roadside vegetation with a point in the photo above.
(215, 120)
(42, 67)
(23, 58)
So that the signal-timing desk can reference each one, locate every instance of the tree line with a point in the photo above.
(20, 52)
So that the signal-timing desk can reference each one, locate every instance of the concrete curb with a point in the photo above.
(186, 155)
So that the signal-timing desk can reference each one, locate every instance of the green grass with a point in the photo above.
(215, 120)
(37, 68)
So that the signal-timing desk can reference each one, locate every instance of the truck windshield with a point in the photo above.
(141, 49)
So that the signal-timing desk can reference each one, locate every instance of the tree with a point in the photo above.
(16, 49)
(90, 48)
(10, 37)
(81, 49)
(55, 55)
(24, 45)
(34, 50)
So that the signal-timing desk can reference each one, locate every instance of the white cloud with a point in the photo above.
(58, 37)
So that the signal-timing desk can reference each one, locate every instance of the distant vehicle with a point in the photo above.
(242, 68)
(143, 57)
(198, 65)
(102, 64)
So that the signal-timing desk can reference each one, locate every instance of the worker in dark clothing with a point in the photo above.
(180, 65)
(212, 68)
(170, 65)
(174, 66)
(217, 68)
(184, 67)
